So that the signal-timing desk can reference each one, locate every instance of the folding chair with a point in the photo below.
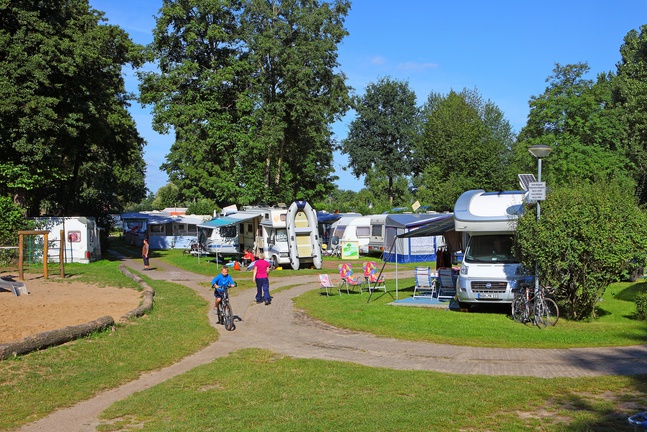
(447, 281)
(425, 283)
(326, 284)
(370, 277)
(347, 279)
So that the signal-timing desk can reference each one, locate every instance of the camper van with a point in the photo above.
(489, 270)
(82, 242)
(376, 239)
(273, 238)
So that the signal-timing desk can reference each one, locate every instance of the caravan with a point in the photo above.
(358, 233)
(81, 238)
(489, 270)
(376, 239)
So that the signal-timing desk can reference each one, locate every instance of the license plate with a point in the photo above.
(488, 296)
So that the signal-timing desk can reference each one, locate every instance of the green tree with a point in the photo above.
(167, 196)
(12, 220)
(630, 102)
(465, 144)
(573, 117)
(67, 140)
(589, 235)
(382, 135)
(203, 206)
(250, 90)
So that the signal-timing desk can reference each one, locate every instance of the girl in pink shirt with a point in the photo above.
(260, 276)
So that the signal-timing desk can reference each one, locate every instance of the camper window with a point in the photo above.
(228, 231)
(376, 230)
(157, 229)
(363, 232)
(192, 229)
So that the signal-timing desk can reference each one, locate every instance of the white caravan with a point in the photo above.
(489, 269)
(337, 230)
(377, 234)
(82, 242)
(272, 236)
(358, 231)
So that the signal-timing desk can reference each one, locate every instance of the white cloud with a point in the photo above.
(415, 66)
(378, 60)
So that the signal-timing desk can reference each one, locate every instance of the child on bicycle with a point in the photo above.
(219, 283)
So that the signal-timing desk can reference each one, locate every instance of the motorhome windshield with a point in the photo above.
(494, 248)
(228, 231)
(281, 235)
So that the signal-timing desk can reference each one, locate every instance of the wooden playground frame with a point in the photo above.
(21, 253)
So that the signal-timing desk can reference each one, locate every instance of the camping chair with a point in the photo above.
(447, 288)
(347, 279)
(326, 284)
(370, 277)
(425, 283)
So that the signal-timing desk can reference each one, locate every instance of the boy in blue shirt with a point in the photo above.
(219, 282)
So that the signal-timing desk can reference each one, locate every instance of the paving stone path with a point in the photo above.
(278, 327)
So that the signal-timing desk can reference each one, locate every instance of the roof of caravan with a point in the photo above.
(409, 220)
(478, 205)
(328, 218)
(160, 219)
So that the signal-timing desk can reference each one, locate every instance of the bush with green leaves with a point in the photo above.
(12, 221)
(588, 236)
(641, 306)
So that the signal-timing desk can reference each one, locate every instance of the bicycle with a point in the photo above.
(535, 307)
(224, 307)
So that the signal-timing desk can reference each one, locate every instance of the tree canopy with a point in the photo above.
(250, 89)
(68, 142)
(465, 144)
(382, 136)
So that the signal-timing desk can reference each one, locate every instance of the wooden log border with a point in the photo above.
(66, 334)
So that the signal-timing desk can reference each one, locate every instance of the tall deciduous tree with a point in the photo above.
(630, 100)
(250, 89)
(573, 116)
(382, 136)
(67, 140)
(465, 144)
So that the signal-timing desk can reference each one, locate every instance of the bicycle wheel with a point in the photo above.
(552, 311)
(518, 309)
(228, 317)
(542, 317)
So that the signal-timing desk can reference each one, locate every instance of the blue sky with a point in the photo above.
(504, 49)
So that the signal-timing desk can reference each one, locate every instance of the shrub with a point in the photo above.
(641, 306)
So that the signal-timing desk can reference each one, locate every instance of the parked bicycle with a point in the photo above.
(536, 307)
(224, 307)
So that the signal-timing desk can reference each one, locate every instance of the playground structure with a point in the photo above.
(21, 252)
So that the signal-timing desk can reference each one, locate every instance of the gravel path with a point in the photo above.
(279, 328)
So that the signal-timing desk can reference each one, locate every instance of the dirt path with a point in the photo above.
(279, 328)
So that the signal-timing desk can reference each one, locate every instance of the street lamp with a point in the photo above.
(539, 151)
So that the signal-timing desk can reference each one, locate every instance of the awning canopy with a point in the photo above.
(430, 227)
(232, 219)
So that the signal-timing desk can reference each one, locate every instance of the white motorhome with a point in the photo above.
(376, 239)
(82, 241)
(489, 269)
(272, 236)
(358, 231)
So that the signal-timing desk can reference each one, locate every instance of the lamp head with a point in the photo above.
(540, 151)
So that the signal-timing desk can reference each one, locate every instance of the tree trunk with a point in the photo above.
(54, 337)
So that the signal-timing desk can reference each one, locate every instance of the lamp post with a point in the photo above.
(539, 151)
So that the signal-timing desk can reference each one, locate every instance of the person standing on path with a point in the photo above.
(260, 276)
(145, 250)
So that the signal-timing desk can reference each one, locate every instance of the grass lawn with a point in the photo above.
(256, 390)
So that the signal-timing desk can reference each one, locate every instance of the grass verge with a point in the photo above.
(256, 390)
